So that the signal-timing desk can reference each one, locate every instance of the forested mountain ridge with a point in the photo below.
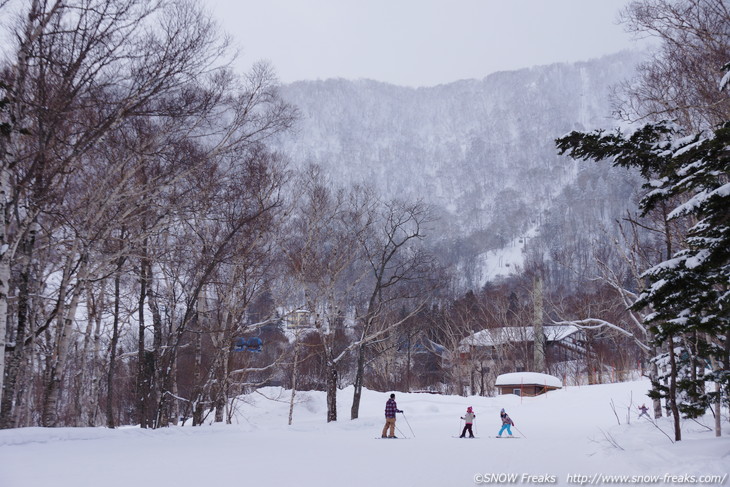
(481, 151)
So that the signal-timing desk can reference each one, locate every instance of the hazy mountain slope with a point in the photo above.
(482, 151)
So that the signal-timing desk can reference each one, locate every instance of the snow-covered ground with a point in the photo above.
(504, 262)
(565, 435)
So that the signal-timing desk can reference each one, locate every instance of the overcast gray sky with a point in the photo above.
(418, 42)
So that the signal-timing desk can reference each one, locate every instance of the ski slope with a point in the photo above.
(570, 437)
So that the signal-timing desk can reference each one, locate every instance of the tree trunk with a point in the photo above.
(294, 377)
(5, 195)
(360, 371)
(408, 364)
(113, 347)
(96, 377)
(718, 389)
(197, 378)
(144, 379)
(60, 356)
(331, 392)
(7, 387)
(87, 374)
(482, 381)
(220, 406)
(156, 386)
(223, 381)
(24, 417)
(359, 377)
(673, 390)
(539, 334)
(654, 377)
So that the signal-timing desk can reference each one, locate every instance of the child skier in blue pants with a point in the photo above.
(506, 423)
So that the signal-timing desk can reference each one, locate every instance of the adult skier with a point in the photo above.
(390, 409)
(506, 423)
(469, 419)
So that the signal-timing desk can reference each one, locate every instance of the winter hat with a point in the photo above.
(502, 410)
(468, 410)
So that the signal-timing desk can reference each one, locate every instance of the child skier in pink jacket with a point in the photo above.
(469, 418)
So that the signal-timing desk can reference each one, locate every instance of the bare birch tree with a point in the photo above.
(325, 259)
(395, 260)
(82, 75)
(679, 81)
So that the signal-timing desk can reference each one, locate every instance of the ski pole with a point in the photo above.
(520, 432)
(461, 427)
(409, 424)
(400, 432)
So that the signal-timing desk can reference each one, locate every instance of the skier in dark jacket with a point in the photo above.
(390, 409)
(506, 423)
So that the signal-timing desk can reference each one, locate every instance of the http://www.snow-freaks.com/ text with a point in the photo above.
(599, 479)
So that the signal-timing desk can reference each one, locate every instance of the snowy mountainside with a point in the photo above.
(481, 151)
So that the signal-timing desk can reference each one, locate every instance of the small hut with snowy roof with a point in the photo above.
(527, 383)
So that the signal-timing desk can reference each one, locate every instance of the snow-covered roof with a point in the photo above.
(499, 336)
(528, 378)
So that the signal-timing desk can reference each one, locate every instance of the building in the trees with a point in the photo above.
(527, 383)
(496, 351)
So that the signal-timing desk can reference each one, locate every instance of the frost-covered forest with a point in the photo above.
(177, 233)
(482, 153)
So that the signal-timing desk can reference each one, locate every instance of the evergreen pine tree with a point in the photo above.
(689, 292)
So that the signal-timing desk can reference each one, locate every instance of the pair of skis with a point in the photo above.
(476, 437)
(404, 437)
(457, 437)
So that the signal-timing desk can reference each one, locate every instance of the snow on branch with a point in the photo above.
(255, 369)
(725, 81)
(596, 324)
